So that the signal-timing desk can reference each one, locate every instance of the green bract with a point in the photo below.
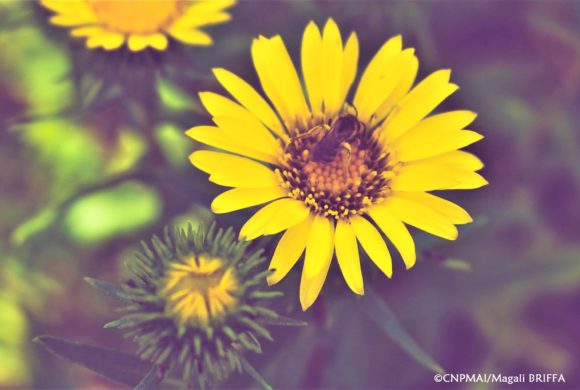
(203, 352)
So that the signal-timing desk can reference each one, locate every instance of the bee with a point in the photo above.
(338, 136)
(333, 138)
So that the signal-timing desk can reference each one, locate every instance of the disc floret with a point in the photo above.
(357, 176)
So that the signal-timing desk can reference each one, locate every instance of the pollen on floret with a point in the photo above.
(350, 183)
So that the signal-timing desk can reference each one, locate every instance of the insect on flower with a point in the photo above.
(334, 137)
(331, 178)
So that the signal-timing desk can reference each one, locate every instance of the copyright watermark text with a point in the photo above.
(499, 378)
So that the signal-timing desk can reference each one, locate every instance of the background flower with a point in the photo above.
(338, 165)
(139, 24)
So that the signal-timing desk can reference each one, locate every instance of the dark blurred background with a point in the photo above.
(82, 183)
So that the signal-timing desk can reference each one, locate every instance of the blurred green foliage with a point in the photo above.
(13, 336)
(114, 212)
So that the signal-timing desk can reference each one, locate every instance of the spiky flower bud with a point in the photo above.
(195, 304)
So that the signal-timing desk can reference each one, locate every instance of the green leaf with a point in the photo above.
(251, 371)
(281, 321)
(457, 264)
(170, 137)
(112, 290)
(34, 226)
(376, 308)
(152, 380)
(113, 212)
(174, 98)
(115, 365)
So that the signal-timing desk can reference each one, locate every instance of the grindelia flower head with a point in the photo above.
(194, 301)
(337, 170)
(139, 23)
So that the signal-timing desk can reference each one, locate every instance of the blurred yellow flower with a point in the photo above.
(334, 172)
(139, 23)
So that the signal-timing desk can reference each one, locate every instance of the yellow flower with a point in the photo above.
(333, 170)
(139, 23)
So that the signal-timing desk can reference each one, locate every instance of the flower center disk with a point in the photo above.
(200, 290)
(352, 175)
(132, 16)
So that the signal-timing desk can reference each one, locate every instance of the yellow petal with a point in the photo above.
(310, 286)
(289, 250)
(217, 138)
(70, 7)
(208, 7)
(249, 133)
(347, 256)
(396, 232)
(278, 77)
(94, 41)
(254, 226)
(457, 159)
(250, 99)
(87, 31)
(320, 242)
(157, 41)
(218, 105)
(241, 198)
(426, 144)
(241, 126)
(384, 85)
(376, 69)
(424, 176)
(332, 67)
(349, 66)
(233, 171)
(439, 123)
(373, 244)
(312, 67)
(72, 20)
(434, 127)
(286, 77)
(190, 36)
(113, 41)
(106, 40)
(446, 121)
(293, 212)
(261, 57)
(421, 217)
(449, 210)
(274, 217)
(405, 83)
(422, 99)
(137, 42)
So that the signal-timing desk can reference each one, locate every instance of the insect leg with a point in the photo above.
(314, 131)
(347, 149)
(351, 107)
